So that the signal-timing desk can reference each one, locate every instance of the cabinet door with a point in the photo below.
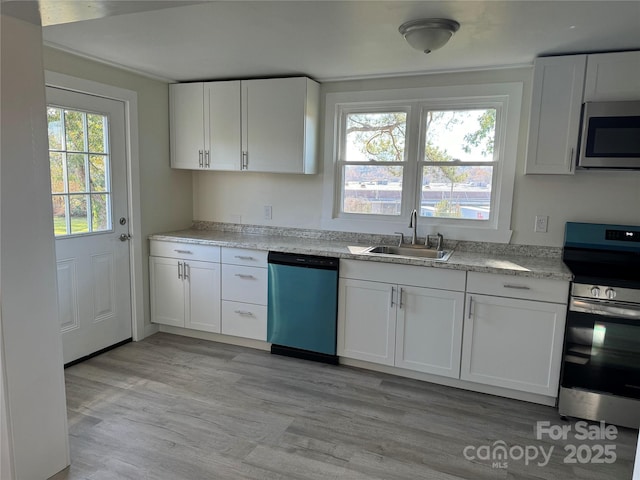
(429, 330)
(274, 118)
(222, 125)
(556, 103)
(203, 301)
(367, 321)
(612, 77)
(187, 125)
(167, 291)
(512, 343)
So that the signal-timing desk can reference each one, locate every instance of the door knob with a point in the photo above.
(124, 237)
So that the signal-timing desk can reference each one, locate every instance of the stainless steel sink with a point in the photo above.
(411, 251)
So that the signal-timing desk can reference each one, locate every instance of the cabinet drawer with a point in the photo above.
(542, 289)
(428, 277)
(205, 253)
(244, 284)
(243, 256)
(244, 320)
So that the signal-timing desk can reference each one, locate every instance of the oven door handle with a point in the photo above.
(596, 307)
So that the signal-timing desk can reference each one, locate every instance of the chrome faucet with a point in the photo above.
(413, 223)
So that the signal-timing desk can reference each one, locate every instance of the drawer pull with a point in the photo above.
(245, 277)
(187, 252)
(516, 287)
(243, 257)
(244, 313)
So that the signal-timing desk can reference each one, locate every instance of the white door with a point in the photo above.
(367, 321)
(87, 157)
(429, 330)
(204, 295)
(513, 343)
(167, 291)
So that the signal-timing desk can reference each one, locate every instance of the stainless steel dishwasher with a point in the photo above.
(303, 306)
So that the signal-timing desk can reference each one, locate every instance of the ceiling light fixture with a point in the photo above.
(428, 34)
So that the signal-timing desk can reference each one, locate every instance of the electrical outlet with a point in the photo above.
(541, 223)
(268, 211)
(235, 218)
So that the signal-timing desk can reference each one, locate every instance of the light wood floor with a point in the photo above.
(174, 408)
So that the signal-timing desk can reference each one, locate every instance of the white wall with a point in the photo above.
(165, 194)
(297, 200)
(36, 428)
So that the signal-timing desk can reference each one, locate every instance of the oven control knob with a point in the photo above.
(595, 291)
(610, 293)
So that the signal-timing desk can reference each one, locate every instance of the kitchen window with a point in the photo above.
(448, 152)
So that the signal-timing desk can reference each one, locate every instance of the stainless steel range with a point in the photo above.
(601, 359)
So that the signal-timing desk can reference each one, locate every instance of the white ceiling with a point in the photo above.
(329, 40)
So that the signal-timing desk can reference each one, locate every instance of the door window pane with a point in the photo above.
(372, 189)
(56, 165)
(59, 215)
(78, 213)
(54, 122)
(97, 173)
(96, 133)
(76, 173)
(74, 129)
(456, 192)
(99, 209)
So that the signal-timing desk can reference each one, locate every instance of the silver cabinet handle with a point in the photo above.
(400, 297)
(393, 290)
(207, 162)
(245, 161)
(570, 159)
(470, 313)
(180, 270)
(244, 313)
(243, 257)
(516, 287)
(200, 164)
(187, 271)
(186, 252)
(244, 276)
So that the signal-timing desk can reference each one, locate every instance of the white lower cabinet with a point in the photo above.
(514, 343)
(408, 326)
(185, 293)
(368, 321)
(244, 293)
(429, 330)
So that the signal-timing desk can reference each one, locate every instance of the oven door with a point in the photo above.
(602, 347)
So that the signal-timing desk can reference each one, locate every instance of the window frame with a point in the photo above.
(341, 161)
(506, 97)
(86, 153)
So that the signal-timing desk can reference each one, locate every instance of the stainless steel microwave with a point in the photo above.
(610, 136)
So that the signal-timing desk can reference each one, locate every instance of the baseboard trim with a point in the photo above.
(99, 352)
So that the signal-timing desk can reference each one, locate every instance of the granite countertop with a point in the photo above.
(528, 261)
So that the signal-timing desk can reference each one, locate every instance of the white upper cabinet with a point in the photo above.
(560, 86)
(280, 124)
(266, 125)
(187, 125)
(222, 125)
(612, 77)
(556, 103)
(205, 125)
